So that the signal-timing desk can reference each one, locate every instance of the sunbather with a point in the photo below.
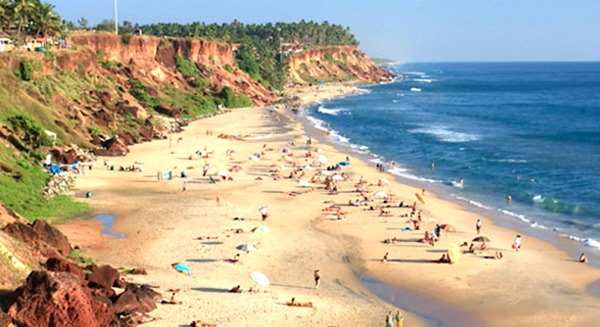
(293, 303)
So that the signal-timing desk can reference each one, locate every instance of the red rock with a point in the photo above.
(169, 111)
(136, 298)
(52, 236)
(60, 264)
(102, 277)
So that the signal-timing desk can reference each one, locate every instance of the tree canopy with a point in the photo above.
(32, 17)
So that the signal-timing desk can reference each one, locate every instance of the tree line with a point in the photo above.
(30, 17)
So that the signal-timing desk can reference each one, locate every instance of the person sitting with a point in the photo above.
(383, 212)
(471, 248)
(498, 255)
(293, 303)
(198, 323)
(444, 259)
(236, 289)
(385, 257)
(583, 258)
(236, 259)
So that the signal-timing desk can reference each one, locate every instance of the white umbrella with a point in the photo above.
(222, 173)
(179, 167)
(337, 177)
(303, 183)
(261, 229)
(260, 278)
(322, 159)
(380, 194)
(246, 247)
(324, 172)
(385, 181)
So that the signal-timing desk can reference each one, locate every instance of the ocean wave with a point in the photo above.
(415, 73)
(538, 199)
(318, 124)
(415, 89)
(515, 215)
(443, 134)
(338, 137)
(423, 80)
(504, 160)
(538, 225)
(474, 203)
(332, 112)
(585, 241)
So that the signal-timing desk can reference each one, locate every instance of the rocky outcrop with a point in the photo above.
(335, 63)
(41, 236)
(136, 298)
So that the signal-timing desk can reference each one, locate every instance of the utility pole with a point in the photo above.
(116, 20)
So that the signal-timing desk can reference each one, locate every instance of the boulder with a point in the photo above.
(136, 298)
(5, 319)
(112, 147)
(52, 236)
(60, 264)
(58, 299)
(102, 277)
(169, 111)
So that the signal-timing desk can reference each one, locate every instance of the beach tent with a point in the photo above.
(246, 247)
(448, 228)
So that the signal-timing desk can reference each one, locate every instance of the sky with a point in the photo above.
(401, 30)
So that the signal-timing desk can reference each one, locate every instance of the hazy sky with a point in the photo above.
(404, 30)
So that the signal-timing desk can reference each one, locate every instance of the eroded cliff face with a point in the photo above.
(335, 63)
(149, 57)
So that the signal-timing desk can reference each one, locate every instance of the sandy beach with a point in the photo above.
(195, 223)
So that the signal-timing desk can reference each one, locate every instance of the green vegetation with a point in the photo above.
(189, 70)
(31, 17)
(228, 68)
(80, 259)
(138, 91)
(230, 100)
(329, 58)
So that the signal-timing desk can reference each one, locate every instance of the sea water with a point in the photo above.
(526, 130)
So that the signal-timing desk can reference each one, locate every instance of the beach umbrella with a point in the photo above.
(222, 173)
(182, 268)
(303, 183)
(322, 159)
(380, 194)
(344, 163)
(337, 177)
(260, 229)
(260, 278)
(246, 247)
(385, 181)
(481, 239)
(420, 198)
(324, 172)
(448, 228)
(453, 253)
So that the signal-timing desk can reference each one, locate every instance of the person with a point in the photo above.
(385, 257)
(317, 276)
(184, 187)
(389, 319)
(264, 213)
(171, 300)
(472, 248)
(432, 165)
(204, 170)
(498, 255)
(293, 303)
(508, 199)
(399, 319)
(236, 258)
(236, 289)
(478, 226)
(483, 246)
(583, 258)
(517, 244)
(444, 258)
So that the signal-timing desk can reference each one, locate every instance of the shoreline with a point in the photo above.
(368, 229)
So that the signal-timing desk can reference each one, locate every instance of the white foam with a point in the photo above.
(474, 203)
(444, 134)
(539, 226)
(586, 241)
(337, 137)
(415, 73)
(538, 199)
(415, 89)
(423, 80)
(515, 215)
(332, 112)
(505, 160)
(318, 124)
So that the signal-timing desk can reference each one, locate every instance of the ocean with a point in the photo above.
(530, 131)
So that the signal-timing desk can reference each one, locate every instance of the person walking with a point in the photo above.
(264, 212)
(517, 244)
(478, 226)
(317, 276)
(399, 319)
(389, 319)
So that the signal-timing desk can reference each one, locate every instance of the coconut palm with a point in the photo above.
(46, 21)
(5, 14)
(24, 12)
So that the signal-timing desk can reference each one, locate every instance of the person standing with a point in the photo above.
(517, 244)
(478, 226)
(389, 319)
(399, 319)
(317, 276)
(264, 212)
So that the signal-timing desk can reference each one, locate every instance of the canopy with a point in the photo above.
(481, 239)
(448, 227)
(260, 278)
(380, 194)
(453, 253)
(385, 181)
(303, 183)
(246, 247)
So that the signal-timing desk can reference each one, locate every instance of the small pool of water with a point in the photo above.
(108, 221)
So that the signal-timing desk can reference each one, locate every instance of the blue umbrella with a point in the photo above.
(182, 268)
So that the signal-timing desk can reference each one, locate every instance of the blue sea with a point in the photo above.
(528, 130)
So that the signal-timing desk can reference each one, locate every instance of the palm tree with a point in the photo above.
(24, 11)
(5, 16)
(46, 20)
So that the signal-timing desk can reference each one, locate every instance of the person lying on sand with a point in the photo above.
(385, 213)
(171, 300)
(443, 259)
(207, 237)
(498, 256)
(293, 303)
(256, 290)
(483, 247)
(198, 323)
